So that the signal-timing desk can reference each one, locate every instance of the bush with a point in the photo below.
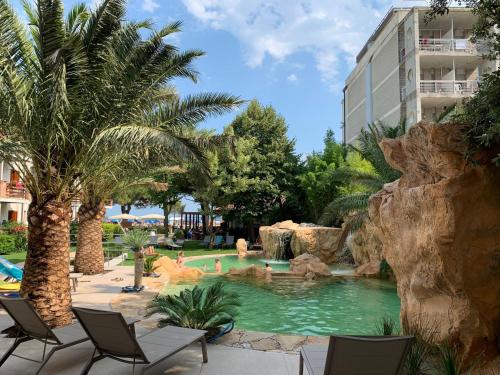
(7, 243)
(110, 230)
(199, 308)
(179, 234)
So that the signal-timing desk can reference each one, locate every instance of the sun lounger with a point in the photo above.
(169, 243)
(218, 241)
(29, 326)
(206, 241)
(360, 355)
(229, 242)
(112, 339)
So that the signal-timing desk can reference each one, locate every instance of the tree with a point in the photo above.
(362, 182)
(73, 92)
(266, 166)
(316, 179)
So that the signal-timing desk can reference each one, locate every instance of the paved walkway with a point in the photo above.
(98, 292)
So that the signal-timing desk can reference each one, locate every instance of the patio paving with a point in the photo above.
(99, 292)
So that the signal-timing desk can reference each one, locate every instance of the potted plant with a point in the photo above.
(149, 267)
(136, 240)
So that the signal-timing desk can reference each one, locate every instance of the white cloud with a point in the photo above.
(332, 31)
(149, 6)
(292, 78)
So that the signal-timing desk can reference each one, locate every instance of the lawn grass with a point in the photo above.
(15, 257)
(190, 248)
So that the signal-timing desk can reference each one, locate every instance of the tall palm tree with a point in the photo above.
(74, 91)
(353, 208)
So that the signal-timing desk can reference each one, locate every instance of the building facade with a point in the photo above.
(413, 70)
(14, 198)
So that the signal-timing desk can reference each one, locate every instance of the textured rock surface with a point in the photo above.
(250, 271)
(310, 266)
(168, 267)
(321, 242)
(241, 247)
(439, 225)
(365, 246)
(300, 239)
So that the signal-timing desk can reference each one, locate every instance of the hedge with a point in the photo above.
(8, 243)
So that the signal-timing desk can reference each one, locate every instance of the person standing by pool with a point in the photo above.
(218, 265)
(180, 258)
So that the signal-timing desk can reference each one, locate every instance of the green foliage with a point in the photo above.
(449, 360)
(363, 181)
(149, 267)
(136, 239)
(199, 308)
(481, 119)
(425, 333)
(316, 178)
(179, 234)
(110, 230)
(387, 326)
(7, 243)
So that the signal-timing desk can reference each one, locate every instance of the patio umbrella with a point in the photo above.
(124, 217)
(152, 217)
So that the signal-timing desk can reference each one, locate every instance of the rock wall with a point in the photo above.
(366, 249)
(439, 226)
(321, 242)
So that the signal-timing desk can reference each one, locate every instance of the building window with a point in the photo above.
(410, 75)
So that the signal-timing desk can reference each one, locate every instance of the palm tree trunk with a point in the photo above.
(89, 258)
(138, 268)
(46, 270)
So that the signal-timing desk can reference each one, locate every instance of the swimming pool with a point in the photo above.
(295, 306)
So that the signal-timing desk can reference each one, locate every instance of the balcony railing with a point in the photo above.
(9, 190)
(447, 45)
(448, 87)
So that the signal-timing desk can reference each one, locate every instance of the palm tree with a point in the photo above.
(353, 208)
(136, 240)
(74, 91)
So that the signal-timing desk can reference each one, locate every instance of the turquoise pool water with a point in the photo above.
(338, 306)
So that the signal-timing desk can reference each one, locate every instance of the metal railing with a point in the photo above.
(446, 45)
(448, 87)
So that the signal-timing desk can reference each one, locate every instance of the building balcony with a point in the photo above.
(448, 88)
(13, 191)
(447, 46)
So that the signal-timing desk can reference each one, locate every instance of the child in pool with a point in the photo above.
(218, 265)
(268, 268)
(180, 258)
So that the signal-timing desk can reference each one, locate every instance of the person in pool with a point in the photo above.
(268, 268)
(180, 258)
(218, 265)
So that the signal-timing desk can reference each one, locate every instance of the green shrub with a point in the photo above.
(110, 230)
(7, 243)
(179, 234)
(199, 308)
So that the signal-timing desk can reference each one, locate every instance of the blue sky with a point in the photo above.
(291, 54)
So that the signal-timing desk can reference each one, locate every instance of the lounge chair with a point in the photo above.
(229, 242)
(170, 244)
(112, 339)
(206, 241)
(218, 241)
(360, 355)
(29, 326)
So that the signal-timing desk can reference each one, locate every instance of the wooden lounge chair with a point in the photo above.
(30, 326)
(170, 244)
(360, 355)
(112, 339)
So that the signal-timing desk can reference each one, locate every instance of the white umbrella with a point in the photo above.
(124, 217)
(152, 217)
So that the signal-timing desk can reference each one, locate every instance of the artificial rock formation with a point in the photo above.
(288, 239)
(309, 266)
(250, 271)
(366, 249)
(168, 267)
(241, 247)
(439, 226)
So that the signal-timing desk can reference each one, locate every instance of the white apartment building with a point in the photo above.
(414, 70)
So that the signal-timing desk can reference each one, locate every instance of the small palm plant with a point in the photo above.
(149, 265)
(198, 308)
(387, 326)
(136, 240)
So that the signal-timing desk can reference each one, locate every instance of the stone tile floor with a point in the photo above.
(241, 353)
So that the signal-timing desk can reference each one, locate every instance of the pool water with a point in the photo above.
(295, 306)
(233, 261)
